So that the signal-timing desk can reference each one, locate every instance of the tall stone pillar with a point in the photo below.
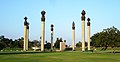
(73, 36)
(27, 42)
(83, 30)
(43, 30)
(52, 36)
(25, 34)
(88, 38)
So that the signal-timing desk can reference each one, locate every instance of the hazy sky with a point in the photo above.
(61, 13)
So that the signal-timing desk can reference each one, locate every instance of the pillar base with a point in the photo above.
(43, 51)
(24, 50)
(83, 51)
(73, 50)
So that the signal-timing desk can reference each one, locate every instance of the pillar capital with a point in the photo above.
(83, 12)
(88, 23)
(88, 19)
(43, 15)
(52, 27)
(83, 15)
(25, 18)
(25, 22)
(73, 25)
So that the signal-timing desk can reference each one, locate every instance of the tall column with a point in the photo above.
(25, 33)
(83, 30)
(27, 42)
(73, 36)
(88, 25)
(43, 30)
(52, 36)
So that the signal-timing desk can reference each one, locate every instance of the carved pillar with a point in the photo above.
(83, 30)
(52, 36)
(42, 30)
(73, 36)
(88, 38)
(25, 34)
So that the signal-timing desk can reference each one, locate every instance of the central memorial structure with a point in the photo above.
(62, 44)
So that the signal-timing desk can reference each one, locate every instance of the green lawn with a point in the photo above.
(61, 57)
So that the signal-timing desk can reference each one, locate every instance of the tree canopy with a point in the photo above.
(109, 37)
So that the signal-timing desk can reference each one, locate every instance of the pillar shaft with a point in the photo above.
(51, 40)
(42, 35)
(73, 39)
(83, 35)
(88, 37)
(25, 37)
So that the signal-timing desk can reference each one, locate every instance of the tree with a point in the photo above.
(107, 38)
(2, 45)
(36, 43)
(79, 44)
(57, 43)
(16, 43)
(47, 45)
(21, 40)
(95, 40)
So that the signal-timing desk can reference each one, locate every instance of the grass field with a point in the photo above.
(61, 57)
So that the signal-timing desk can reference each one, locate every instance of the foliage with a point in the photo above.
(10, 43)
(57, 43)
(47, 45)
(79, 44)
(109, 37)
(18, 43)
(6, 42)
(36, 43)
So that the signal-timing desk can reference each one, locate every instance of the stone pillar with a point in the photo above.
(25, 34)
(42, 30)
(27, 37)
(73, 36)
(88, 38)
(52, 36)
(83, 30)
